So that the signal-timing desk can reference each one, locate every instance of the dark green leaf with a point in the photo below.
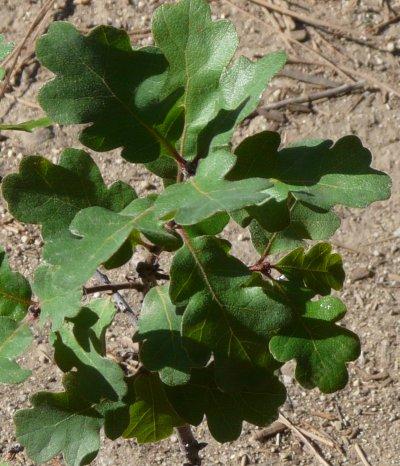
(319, 269)
(15, 291)
(319, 173)
(101, 79)
(51, 195)
(306, 222)
(320, 347)
(160, 328)
(227, 318)
(255, 403)
(14, 340)
(80, 344)
(64, 423)
(152, 417)
(116, 414)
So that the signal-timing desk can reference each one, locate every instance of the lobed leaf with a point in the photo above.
(199, 50)
(305, 222)
(318, 173)
(97, 235)
(51, 195)
(79, 344)
(319, 269)
(225, 315)
(151, 100)
(225, 412)
(320, 348)
(65, 422)
(101, 79)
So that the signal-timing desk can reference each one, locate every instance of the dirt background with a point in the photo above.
(367, 412)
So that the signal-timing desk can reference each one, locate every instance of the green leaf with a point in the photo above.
(152, 418)
(255, 403)
(224, 315)
(15, 291)
(208, 193)
(59, 298)
(28, 126)
(5, 49)
(241, 88)
(211, 226)
(80, 344)
(320, 348)
(305, 222)
(322, 174)
(215, 99)
(171, 128)
(162, 349)
(65, 422)
(101, 79)
(14, 340)
(319, 269)
(51, 195)
(178, 30)
(97, 235)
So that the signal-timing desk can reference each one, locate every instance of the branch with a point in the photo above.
(15, 55)
(304, 439)
(114, 287)
(189, 446)
(336, 91)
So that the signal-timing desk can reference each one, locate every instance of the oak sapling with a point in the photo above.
(213, 331)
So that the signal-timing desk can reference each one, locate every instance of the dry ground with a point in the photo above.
(367, 412)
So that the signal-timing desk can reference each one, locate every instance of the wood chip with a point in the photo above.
(270, 431)
(361, 274)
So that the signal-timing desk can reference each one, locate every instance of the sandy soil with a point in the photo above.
(367, 412)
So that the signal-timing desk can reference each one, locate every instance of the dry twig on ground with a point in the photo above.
(17, 51)
(304, 439)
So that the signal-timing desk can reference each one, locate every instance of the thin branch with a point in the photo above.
(25, 102)
(361, 455)
(189, 446)
(334, 92)
(38, 19)
(306, 19)
(307, 78)
(380, 27)
(304, 439)
(114, 287)
(317, 23)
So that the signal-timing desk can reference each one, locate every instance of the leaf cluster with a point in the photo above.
(211, 340)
